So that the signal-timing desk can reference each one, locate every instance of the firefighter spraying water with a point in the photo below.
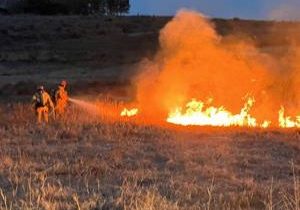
(45, 105)
(60, 98)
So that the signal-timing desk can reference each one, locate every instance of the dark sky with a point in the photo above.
(252, 9)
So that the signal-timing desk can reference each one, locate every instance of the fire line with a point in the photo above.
(197, 114)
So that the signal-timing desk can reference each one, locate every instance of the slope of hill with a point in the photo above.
(99, 50)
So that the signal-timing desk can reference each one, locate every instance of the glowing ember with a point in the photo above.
(129, 113)
(266, 124)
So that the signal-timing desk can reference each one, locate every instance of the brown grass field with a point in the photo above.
(88, 161)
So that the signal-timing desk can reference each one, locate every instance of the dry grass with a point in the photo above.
(86, 162)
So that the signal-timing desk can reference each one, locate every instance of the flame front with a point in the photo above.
(197, 114)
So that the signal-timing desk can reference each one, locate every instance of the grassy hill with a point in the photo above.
(99, 51)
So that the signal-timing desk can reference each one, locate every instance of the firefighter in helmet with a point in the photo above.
(42, 104)
(61, 98)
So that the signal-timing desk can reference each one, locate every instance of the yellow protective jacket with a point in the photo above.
(61, 96)
(42, 99)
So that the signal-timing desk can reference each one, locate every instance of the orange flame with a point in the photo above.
(195, 61)
(286, 121)
(129, 113)
(196, 114)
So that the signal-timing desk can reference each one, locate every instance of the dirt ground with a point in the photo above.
(85, 161)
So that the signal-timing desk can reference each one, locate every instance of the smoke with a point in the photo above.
(195, 62)
(288, 10)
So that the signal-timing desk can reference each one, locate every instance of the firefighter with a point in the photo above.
(61, 98)
(43, 104)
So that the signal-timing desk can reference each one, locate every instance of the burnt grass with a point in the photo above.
(83, 162)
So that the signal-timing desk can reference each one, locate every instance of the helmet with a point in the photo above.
(63, 83)
(40, 88)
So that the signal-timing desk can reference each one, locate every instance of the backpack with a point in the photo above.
(39, 100)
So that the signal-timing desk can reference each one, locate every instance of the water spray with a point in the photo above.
(89, 107)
